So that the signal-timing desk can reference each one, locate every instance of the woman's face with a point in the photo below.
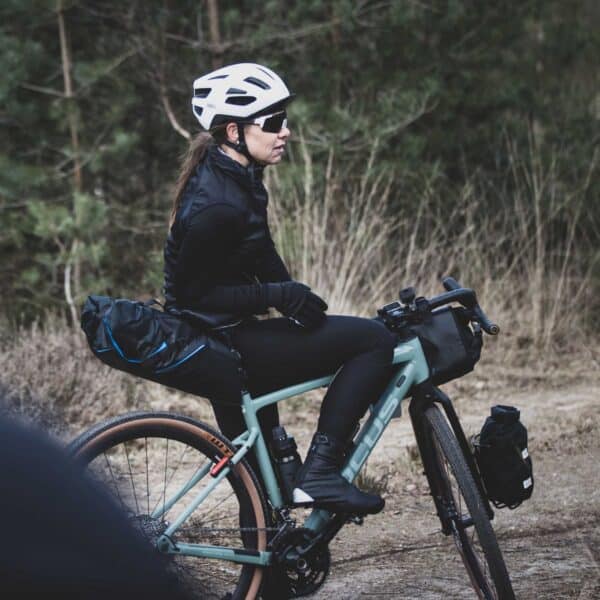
(266, 148)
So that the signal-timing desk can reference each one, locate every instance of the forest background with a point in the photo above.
(428, 138)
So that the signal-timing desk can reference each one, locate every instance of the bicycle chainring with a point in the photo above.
(305, 570)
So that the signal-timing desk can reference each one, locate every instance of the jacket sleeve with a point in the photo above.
(204, 250)
(270, 266)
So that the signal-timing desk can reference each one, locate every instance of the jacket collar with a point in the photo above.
(249, 177)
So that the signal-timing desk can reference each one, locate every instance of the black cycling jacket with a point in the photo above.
(219, 250)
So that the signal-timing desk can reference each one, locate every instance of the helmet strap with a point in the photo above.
(240, 146)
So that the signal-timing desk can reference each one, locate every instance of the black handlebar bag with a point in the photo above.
(134, 337)
(451, 347)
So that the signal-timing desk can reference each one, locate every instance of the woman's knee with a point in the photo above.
(381, 337)
(362, 335)
(377, 341)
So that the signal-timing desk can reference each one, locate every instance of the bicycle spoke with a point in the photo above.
(147, 476)
(114, 480)
(165, 486)
(217, 517)
(167, 483)
(164, 461)
(137, 508)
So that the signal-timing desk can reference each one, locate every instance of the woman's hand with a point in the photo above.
(295, 300)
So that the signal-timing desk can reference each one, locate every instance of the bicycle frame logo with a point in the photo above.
(223, 447)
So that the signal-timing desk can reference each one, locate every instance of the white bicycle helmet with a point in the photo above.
(236, 93)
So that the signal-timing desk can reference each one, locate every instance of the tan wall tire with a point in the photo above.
(123, 443)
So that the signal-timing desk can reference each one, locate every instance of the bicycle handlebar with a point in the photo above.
(451, 285)
(410, 308)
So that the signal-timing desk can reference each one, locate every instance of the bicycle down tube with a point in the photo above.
(412, 369)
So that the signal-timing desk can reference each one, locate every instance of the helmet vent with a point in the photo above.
(198, 110)
(236, 91)
(265, 72)
(258, 82)
(220, 76)
(240, 100)
(201, 92)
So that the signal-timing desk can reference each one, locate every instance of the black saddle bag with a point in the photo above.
(503, 458)
(134, 337)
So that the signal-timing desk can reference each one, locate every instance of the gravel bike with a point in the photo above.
(193, 494)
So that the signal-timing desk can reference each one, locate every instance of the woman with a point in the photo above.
(221, 266)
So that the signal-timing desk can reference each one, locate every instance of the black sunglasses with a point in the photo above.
(272, 123)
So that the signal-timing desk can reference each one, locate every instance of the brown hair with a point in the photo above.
(194, 155)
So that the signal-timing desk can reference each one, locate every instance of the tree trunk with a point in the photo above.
(72, 267)
(216, 48)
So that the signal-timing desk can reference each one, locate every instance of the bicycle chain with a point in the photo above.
(235, 529)
(286, 522)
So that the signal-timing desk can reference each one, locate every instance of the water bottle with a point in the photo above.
(287, 460)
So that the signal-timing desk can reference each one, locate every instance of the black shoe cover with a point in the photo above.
(320, 484)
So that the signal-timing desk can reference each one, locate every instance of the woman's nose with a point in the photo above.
(285, 133)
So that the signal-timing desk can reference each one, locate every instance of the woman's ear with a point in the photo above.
(231, 129)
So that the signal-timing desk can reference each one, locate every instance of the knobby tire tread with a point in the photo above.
(468, 488)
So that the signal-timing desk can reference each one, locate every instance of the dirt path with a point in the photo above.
(551, 544)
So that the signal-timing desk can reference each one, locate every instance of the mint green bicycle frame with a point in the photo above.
(413, 369)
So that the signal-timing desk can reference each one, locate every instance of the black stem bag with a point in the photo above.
(134, 337)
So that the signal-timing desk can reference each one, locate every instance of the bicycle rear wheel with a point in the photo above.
(461, 502)
(145, 458)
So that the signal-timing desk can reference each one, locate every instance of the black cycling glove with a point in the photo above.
(296, 301)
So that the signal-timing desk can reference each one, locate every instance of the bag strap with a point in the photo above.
(153, 301)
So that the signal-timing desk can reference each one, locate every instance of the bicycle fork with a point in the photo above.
(425, 395)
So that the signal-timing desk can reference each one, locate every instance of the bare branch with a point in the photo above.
(249, 43)
(72, 261)
(111, 67)
(171, 115)
(52, 92)
(42, 90)
(164, 96)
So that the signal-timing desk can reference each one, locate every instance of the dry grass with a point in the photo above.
(518, 247)
(357, 245)
(374, 481)
(49, 375)
(338, 242)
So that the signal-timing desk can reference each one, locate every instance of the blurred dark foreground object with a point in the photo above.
(62, 535)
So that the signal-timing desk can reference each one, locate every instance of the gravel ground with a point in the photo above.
(551, 543)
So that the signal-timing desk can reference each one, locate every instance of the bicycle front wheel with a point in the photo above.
(461, 502)
(146, 459)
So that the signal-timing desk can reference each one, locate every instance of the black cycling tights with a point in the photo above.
(276, 353)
